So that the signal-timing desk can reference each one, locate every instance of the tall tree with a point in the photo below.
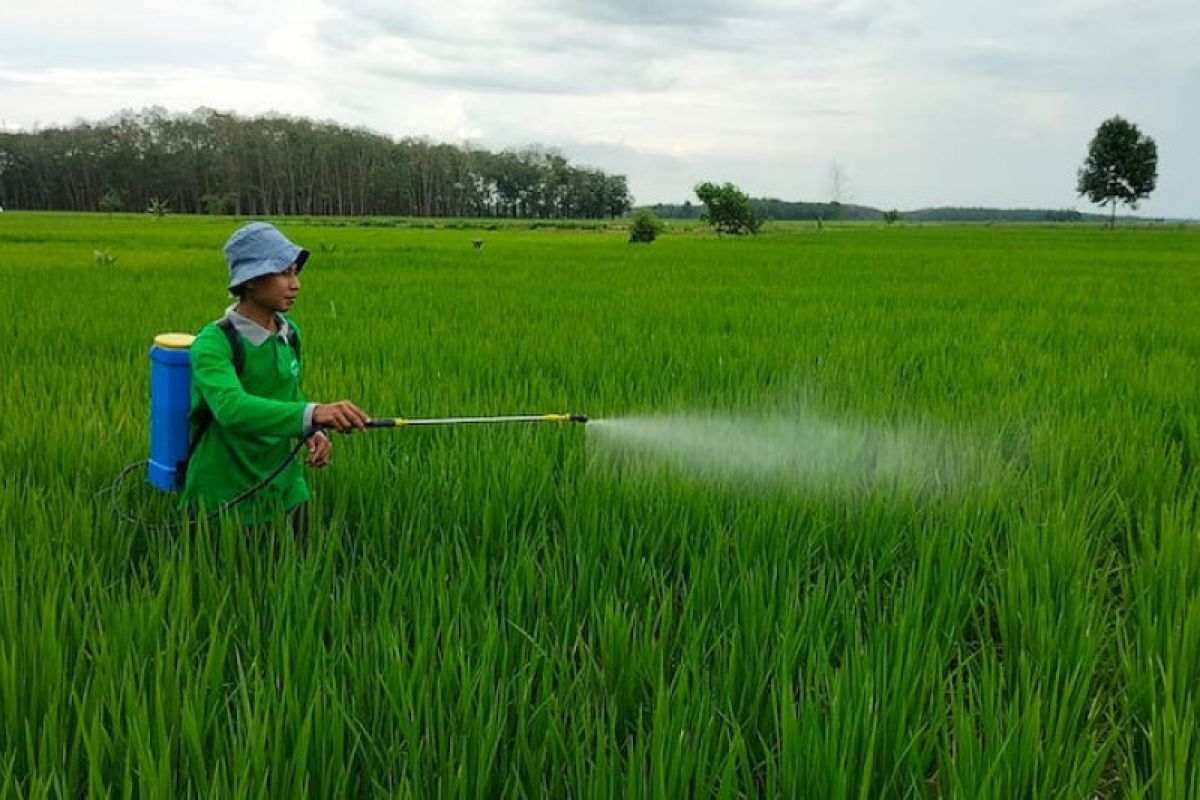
(1121, 166)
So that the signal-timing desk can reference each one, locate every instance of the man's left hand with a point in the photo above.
(319, 450)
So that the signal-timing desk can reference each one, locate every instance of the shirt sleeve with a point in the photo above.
(232, 406)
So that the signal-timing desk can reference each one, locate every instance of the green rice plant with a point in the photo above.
(994, 596)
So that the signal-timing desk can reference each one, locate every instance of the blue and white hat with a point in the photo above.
(260, 249)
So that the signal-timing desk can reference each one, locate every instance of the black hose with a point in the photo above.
(115, 489)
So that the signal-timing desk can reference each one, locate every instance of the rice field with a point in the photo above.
(869, 512)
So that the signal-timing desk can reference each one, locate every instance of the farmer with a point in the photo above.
(247, 410)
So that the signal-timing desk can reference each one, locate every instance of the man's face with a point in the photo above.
(276, 292)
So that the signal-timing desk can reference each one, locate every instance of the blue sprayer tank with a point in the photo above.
(170, 401)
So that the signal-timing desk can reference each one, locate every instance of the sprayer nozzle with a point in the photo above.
(580, 418)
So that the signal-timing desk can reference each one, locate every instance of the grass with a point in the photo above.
(503, 613)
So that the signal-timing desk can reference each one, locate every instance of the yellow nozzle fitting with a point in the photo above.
(557, 417)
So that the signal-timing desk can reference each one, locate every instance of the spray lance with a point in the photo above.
(401, 422)
(170, 406)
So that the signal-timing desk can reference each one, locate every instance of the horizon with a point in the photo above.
(919, 105)
(1127, 213)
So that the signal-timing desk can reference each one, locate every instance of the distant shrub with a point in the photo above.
(112, 200)
(159, 208)
(890, 217)
(646, 227)
(103, 258)
(216, 203)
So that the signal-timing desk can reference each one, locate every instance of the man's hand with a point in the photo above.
(343, 415)
(319, 450)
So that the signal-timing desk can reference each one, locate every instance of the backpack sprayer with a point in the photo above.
(170, 424)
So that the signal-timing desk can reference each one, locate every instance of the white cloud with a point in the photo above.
(923, 102)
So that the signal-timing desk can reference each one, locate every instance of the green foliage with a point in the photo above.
(1121, 165)
(103, 258)
(645, 226)
(159, 208)
(769, 208)
(112, 200)
(500, 612)
(217, 203)
(891, 217)
(727, 209)
(313, 168)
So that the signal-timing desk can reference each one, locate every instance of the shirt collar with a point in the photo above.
(256, 334)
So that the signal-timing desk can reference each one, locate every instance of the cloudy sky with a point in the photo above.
(918, 102)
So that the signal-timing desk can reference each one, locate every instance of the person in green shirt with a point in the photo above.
(255, 417)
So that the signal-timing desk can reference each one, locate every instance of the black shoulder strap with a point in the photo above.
(202, 416)
(235, 344)
(293, 340)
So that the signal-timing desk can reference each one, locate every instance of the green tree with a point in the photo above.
(727, 209)
(646, 226)
(215, 203)
(1121, 166)
(211, 162)
(112, 200)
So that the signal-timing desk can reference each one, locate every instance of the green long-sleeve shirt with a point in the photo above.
(256, 420)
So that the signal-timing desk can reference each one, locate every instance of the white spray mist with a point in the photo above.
(803, 451)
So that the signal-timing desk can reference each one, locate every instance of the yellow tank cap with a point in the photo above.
(174, 341)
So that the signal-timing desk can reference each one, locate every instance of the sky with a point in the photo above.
(914, 103)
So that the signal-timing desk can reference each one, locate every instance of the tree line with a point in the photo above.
(213, 162)
(773, 209)
(1121, 167)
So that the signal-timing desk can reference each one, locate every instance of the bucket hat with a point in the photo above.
(260, 249)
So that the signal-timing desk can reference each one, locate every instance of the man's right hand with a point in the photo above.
(342, 415)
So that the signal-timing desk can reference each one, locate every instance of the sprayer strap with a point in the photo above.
(235, 344)
(202, 416)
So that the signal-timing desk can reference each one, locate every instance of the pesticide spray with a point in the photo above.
(806, 451)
